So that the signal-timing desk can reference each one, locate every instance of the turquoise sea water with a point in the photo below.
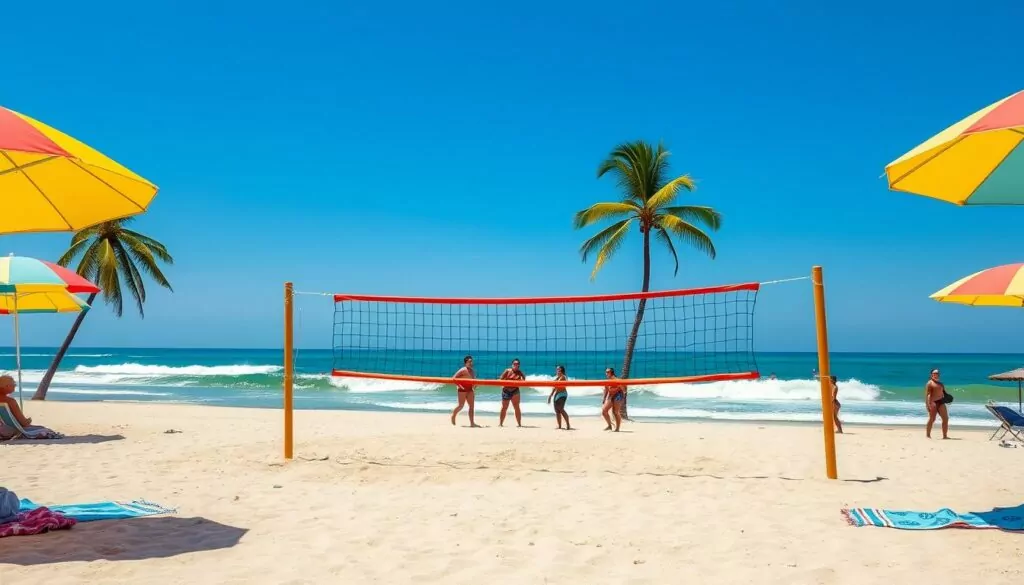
(874, 388)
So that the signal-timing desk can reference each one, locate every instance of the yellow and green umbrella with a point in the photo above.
(977, 161)
(50, 182)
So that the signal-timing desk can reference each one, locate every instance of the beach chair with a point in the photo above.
(1010, 421)
(7, 418)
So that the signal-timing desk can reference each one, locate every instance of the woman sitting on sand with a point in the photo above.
(614, 394)
(836, 405)
(7, 388)
(560, 395)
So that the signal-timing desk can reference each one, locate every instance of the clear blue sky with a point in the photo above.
(442, 148)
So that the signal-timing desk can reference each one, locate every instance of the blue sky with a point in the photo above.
(442, 148)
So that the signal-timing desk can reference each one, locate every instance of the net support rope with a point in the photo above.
(690, 335)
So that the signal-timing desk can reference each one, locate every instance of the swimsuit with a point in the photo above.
(561, 395)
(509, 391)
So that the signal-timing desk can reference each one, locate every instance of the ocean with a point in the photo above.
(880, 389)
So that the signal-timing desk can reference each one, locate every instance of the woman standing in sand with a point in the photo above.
(836, 405)
(466, 394)
(511, 393)
(560, 395)
(614, 394)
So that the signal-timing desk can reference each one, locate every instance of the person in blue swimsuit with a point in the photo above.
(560, 395)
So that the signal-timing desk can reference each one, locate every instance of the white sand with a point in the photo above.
(406, 498)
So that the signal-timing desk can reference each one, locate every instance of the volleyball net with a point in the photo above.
(673, 336)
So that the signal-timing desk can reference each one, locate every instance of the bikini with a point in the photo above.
(560, 392)
(509, 391)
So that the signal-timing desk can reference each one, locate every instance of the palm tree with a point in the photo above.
(648, 201)
(115, 258)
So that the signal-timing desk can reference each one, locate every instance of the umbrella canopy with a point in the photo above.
(50, 182)
(27, 275)
(60, 301)
(977, 161)
(28, 285)
(1013, 376)
(1002, 286)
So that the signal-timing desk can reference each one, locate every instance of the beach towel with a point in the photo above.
(998, 518)
(36, 521)
(9, 505)
(104, 510)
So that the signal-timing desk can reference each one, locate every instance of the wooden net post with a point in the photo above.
(824, 374)
(289, 367)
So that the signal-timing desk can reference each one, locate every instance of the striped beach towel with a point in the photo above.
(103, 510)
(998, 518)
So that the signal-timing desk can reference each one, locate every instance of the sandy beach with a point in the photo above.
(406, 498)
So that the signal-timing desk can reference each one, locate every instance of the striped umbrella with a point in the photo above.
(977, 161)
(50, 182)
(28, 285)
(1002, 286)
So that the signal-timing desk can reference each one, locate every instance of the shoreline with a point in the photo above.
(536, 416)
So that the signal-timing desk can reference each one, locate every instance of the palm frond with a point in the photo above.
(602, 237)
(668, 192)
(696, 214)
(610, 246)
(76, 248)
(108, 279)
(687, 233)
(601, 211)
(157, 249)
(92, 259)
(130, 274)
(667, 239)
(145, 263)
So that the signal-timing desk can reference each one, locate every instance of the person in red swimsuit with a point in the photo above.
(466, 392)
(614, 395)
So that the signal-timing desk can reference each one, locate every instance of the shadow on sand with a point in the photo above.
(121, 540)
(77, 440)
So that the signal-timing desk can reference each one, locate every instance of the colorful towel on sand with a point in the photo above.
(104, 510)
(36, 521)
(999, 518)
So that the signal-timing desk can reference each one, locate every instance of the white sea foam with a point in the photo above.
(156, 370)
(103, 392)
(371, 385)
(748, 390)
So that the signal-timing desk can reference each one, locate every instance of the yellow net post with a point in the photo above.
(289, 367)
(824, 375)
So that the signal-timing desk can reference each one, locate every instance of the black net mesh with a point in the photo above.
(682, 335)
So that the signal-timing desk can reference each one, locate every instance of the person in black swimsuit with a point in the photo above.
(935, 400)
(511, 393)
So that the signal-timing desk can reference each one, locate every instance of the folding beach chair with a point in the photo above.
(1010, 421)
(7, 418)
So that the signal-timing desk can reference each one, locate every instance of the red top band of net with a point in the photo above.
(750, 286)
(552, 383)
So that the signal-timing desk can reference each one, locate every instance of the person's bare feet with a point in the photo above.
(474, 426)
(608, 428)
(453, 420)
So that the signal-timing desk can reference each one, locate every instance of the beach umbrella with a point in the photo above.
(1002, 286)
(28, 285)
(1013, 376)
(977, 161)
(50, 182)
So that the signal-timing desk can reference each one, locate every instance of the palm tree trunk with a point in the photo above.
(631, 341)
(44, 384)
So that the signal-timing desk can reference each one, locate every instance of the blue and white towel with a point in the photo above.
(998, 518)
(103, 510)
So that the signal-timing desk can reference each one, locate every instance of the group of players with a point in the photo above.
(614, 395)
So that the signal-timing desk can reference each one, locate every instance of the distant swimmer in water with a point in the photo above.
(511, 393)
(614, 394)
(560, 395)
(836, 405)
(466, 393)
(772, 376)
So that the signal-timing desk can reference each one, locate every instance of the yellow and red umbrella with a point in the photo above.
(977, 161)
(50, 182)
(1002, 286)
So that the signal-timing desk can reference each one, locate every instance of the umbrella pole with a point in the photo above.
(17, 350)
(1019, 397)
